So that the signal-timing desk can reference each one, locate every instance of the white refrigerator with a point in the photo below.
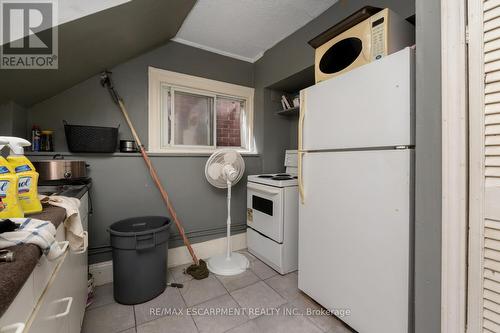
(356, 144)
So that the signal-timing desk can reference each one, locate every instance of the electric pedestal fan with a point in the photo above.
(223, 169)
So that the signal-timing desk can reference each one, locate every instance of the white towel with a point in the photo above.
(32, 231)
(73, 223)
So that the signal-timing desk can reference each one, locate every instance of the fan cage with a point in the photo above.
(218, 157)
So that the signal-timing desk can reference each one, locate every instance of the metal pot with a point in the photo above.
(128, 146)
(58, 169)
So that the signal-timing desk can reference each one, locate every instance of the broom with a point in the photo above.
(198, 269)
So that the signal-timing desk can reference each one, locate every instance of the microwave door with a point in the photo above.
(341, 55)
(265, 205)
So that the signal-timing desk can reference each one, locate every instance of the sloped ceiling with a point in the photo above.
(246, 29)
(67, 10)
(94, 42)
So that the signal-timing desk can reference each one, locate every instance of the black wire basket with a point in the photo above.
(91, 139)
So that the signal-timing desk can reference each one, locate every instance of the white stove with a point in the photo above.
(272, 216)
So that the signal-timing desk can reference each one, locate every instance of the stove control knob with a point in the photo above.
(67, 174)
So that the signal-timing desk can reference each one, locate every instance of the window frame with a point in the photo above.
(159, 78)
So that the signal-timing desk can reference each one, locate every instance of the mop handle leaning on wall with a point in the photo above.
(106, 81)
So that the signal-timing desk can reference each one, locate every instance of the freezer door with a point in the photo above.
(354, 236)
(370, 106)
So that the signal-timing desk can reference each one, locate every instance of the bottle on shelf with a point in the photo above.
(35, 138)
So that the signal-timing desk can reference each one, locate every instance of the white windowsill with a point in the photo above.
(199, 152)
(152, 154)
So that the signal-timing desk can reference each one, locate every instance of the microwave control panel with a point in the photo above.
(378, 29)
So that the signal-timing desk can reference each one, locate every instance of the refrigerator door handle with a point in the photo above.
(300, 177)
(302, 113)
(300, 144)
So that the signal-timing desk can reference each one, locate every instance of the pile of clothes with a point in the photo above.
(33, 231)
(18, 231)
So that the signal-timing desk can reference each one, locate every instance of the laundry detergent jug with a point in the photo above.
(27, 191)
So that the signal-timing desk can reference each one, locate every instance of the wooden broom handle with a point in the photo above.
(158, 184)
(129, 122)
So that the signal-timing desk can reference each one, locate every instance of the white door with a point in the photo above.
(484, 209)
(354, 236)
(370, 106)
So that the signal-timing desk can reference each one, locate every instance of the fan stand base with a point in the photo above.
(237, 263)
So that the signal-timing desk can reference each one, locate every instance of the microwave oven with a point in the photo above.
(375, 37)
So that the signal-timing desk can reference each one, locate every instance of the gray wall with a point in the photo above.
(122, 187)
(6, 116)
(13, 118)
(89, 103)
(428, 169)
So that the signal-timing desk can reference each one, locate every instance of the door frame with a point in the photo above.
(476, 164)
(454, 166)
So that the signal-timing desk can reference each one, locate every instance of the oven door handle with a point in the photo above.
(263, 189)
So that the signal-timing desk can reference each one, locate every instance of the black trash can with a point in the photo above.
(139, 258)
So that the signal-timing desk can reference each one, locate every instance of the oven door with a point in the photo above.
(265, 210)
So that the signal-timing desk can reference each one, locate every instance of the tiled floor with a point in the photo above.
(259, 300)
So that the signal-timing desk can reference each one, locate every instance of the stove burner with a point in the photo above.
(282, 175)
(281, 178)
(265, 176)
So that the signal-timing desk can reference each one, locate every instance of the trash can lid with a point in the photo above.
(139, 225)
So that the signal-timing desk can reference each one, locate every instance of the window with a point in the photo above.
(193, 114)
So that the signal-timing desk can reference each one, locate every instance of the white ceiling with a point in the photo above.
(70, 10)
(245, 29)
(66, 10)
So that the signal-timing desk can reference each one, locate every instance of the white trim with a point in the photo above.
(157, 77)
(214, 50)
(476, 167)
(198, 152)
(454, 166)
(189, 153)
(180, 255)
(118, 154)
(103, 271)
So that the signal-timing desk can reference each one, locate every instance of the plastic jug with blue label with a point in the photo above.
(26, 173)
(9, 201)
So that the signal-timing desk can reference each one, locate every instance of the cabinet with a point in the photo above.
(54, 297)
(56, 303)
(77, 279)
